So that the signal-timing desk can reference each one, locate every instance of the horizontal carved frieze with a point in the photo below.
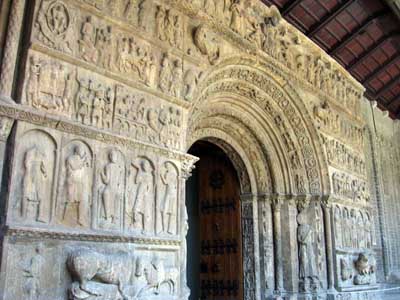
(34, 233)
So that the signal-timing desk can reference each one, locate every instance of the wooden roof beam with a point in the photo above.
(360, 29)
(395, 99)
(288, 7)
(338, 9)
(387, 87)
(376, 72)
(377, 45)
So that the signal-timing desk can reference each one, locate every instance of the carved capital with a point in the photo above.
(277, 202)
(187, 166)
(5, 128)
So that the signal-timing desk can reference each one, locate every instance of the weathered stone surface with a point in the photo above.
(109, 97)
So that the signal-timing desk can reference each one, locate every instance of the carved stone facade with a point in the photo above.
(107, 98)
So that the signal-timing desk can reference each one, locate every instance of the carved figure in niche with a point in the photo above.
(112, 195)
(308, 273)
(33, 186)
(207, 43)
(165, 80)
(160, 23)
(84, 101)
(149, 70)
(78, 191)
(190, 80)
(144, 196)
(32, 273)
(87, 46)
(168, 205)
(145, 8)
(269, 29)
(177, 75)
(104, 44)
(33, 82)
(237, 18)
(98, 107)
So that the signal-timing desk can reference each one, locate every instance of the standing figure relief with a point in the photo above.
(34, 185)
(168, 205)
(141, 214)
(112, 195)
(78, 167)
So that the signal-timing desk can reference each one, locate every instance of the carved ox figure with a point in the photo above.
(87, 266)
(119, 276)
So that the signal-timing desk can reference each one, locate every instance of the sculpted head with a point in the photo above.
(113, 155)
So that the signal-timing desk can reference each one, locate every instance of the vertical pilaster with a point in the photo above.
(9, 61)
(276, 212)
(327, 211)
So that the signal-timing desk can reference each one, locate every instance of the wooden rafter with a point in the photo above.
(374, 73)
(358, 30)
(288, 7)
(388, 86)
(395, 99)
(377, 45)
(338, 9)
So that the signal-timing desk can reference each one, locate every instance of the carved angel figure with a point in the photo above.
(33, 185)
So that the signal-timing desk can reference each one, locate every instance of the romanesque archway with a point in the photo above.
(262, 124)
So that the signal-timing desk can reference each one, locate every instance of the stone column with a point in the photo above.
(186, 172)
(5, 129)
(276, 210)
(10, 56)
(327, 211)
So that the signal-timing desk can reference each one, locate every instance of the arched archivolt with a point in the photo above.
(255, 105)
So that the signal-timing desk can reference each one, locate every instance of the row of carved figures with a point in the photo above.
(271, 34)
(94, 101)
(350, 188)
(353, 228)
(118, 51)
(103, 45)
(104, 190)
(340, 155)
(333, 122)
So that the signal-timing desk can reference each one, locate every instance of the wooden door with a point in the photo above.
(220, 229)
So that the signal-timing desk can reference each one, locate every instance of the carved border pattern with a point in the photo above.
(58, 235)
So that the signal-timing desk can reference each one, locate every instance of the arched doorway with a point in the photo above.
(214, 238)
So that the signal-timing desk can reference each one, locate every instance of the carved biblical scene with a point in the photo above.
(75, 196)
(351, 188)
(111, 189)
(50, 85)
(137, 117)
(33, 178)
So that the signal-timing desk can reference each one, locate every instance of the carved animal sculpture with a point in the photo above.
(362, 264)
(86, 265)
